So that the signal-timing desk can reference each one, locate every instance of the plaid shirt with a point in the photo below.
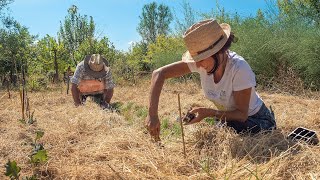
(81, 74)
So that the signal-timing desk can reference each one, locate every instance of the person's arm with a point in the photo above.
(108, 93)
(241, 99)
(176, 69)
(109, 84)
(75, 80)
(75, 94)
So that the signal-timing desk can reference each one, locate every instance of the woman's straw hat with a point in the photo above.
(205, 39)
(95, 65)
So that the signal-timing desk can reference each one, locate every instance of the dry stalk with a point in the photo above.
(22, 103)
(182, 132)
(8, 89)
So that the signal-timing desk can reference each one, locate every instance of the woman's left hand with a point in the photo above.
(201, 113)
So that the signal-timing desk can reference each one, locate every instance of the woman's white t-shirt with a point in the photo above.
(237, 76)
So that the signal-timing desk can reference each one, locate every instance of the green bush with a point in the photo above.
(165, 50)
(271, 49)
(37, 83)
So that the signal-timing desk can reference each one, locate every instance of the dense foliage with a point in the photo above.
(276, 42)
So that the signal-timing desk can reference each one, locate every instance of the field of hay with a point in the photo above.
(90, 143)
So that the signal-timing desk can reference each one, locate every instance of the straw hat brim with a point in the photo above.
(187, 56)
(95, 74)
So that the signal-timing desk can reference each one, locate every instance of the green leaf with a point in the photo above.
(40, 157)
(12, 170)
(39, 135)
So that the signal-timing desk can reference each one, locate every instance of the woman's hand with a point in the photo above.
(201, 113)
(152, 123)
(176, 69)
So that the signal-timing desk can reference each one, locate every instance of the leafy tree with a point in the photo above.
(51, 56)
(189, 18)
(95, 46)
(154, 21)
(15, 47)
(74, 30)
(165, 50)
(308, 10)
(136, 57)
(4, 3)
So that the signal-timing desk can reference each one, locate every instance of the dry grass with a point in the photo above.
(89, 143)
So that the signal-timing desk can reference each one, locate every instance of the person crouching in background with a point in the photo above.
(92, 77)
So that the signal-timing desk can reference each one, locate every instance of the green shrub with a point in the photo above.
(36, 83)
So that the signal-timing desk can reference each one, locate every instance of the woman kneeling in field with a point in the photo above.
(226, 79)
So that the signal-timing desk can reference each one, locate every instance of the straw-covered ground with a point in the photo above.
(90, 143)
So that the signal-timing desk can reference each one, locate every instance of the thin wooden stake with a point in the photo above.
(68, 82)
(22, 104)
(8, 88)
(182, 132)
(27, 107)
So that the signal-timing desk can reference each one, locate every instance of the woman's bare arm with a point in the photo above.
(176, 69)
(241, 98)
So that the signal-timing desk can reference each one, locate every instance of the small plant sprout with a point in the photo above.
(39, 157)
(12, 170)
(39, 134)
(31, 119)
(39, 154)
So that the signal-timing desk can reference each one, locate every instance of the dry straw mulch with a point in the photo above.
(89, 143)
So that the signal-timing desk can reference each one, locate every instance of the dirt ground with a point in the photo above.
(90, 143)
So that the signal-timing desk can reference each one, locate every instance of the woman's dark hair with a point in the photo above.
(230, 40)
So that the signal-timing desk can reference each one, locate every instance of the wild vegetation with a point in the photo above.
(279, 42)
(43, 136)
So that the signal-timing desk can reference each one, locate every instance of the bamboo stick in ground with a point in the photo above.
(8, 89)
(68, 82)
(182, 132)
(22, 104)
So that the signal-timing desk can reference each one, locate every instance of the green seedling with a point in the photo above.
(30, 120)
(12, 170)
(39, 134)
(39, 154)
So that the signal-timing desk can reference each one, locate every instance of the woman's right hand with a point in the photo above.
(176, 69)
(152, 123)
